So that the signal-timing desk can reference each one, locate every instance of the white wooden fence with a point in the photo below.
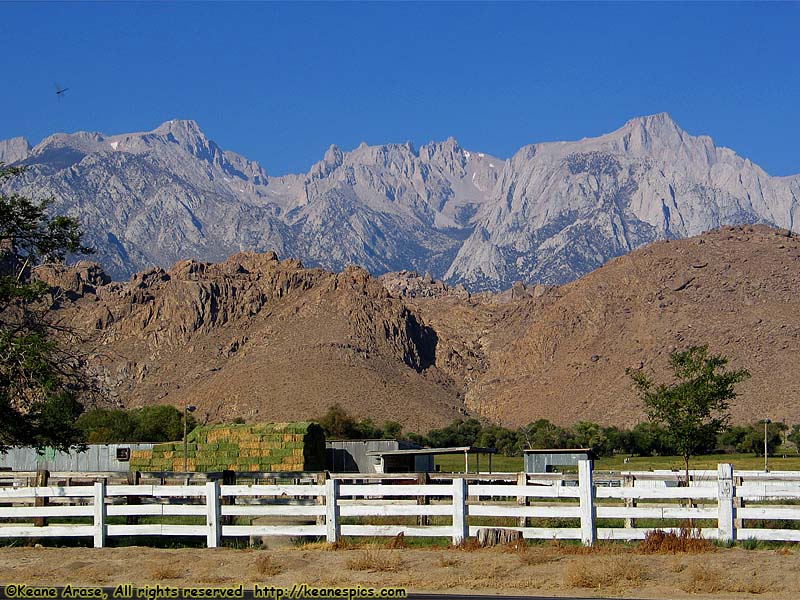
(455, 509)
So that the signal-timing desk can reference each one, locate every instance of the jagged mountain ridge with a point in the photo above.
(551, 213)
(562, 209)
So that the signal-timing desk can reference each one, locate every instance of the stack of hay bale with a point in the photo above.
(273, 447)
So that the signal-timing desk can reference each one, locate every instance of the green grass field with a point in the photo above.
(746, 462)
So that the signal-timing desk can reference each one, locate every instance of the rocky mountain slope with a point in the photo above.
(262, 339)
(257, 338)
(734, 289)
(551, 213)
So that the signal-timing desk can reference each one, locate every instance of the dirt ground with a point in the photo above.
(546, 570)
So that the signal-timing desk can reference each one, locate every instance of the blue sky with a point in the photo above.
(279, 83)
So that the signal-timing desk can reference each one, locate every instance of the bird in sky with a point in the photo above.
(60, 90)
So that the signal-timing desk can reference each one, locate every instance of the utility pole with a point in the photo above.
(766, 447)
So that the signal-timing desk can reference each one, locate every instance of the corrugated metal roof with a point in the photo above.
(453, 450)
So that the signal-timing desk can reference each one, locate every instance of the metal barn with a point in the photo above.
(543, 460)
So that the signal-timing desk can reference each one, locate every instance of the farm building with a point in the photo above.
(543, 460)
(359, 456)
(97, 457)
(398, 461)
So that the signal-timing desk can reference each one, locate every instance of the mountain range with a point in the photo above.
(266, 339)
(549, 214)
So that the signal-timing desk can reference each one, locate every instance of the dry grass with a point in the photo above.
(469, 545)
(164, 572)
(531, 558)
(708, 580)
(445, 561)
(397, 542)
(214, 579)
(372, 559)
(559, 547)
(603, 572)
(265, 566)
(687, 541)
(326, 546)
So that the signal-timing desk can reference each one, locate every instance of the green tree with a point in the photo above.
(694, 408)
(794, 437)
(42, 377)
(753, 440)
(544, 434)
(392, 430)
(107, 426)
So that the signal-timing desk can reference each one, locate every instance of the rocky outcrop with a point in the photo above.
(256, 337)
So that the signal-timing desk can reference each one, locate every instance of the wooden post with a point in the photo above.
(522, 480)
(725, 510)
(228, 478)
(424, 500)
(134, 478)
(321, 478)
(629, 481)
(460, 528)
(213, 515)
(588, 509)
(99, 514)
(42, 477)
(738, 502)
(333, 529)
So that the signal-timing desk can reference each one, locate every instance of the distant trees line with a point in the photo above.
(644, 439)
(163, 423)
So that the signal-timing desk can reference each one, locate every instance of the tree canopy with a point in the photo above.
(160, 423)
(41, 375)
(694, 408)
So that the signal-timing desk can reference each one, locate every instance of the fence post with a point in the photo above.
(228, 478)
(629, 481)
(134, 478)
(587, 496)
(42, 479)
(460, 529)
(100, 514)
(522, 480)
(333, 528)
(422, 479)
(726, 531)
(213, 515)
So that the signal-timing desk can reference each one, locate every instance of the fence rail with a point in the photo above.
(454, 508)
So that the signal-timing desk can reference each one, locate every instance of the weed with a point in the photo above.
(447, 561)
(164, 572)
(750, 544)
(373, 560)
(687, 540)
(397, 542)
(704, 580)
(468, 545)
(603, 572)
(708, 580)
(266, 567)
